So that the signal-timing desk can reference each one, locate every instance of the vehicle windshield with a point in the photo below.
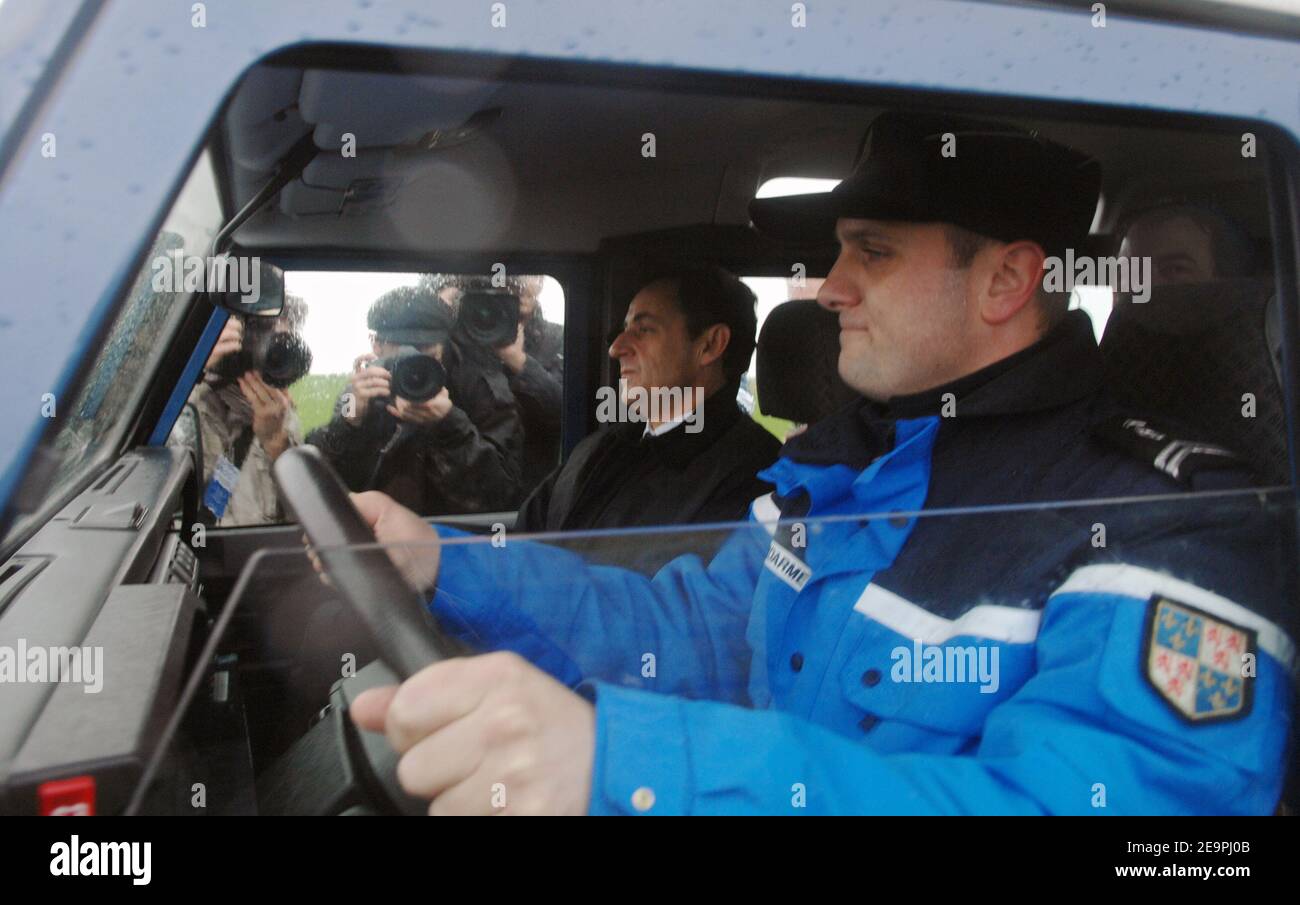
(137, 338)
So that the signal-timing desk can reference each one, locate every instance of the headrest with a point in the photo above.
(1184, 309)
(798, 356)
(1201, 353)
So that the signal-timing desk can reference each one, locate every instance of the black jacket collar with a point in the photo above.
(1062, 367)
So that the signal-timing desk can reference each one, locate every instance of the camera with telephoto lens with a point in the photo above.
(489, 317)
(416, 377)
(286, 361)
(281, 358)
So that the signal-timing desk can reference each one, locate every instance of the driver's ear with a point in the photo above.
(1011, 276)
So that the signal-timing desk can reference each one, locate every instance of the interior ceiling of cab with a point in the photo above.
(557, 168)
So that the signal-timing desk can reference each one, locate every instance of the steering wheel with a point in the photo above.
(403, 632)
(336, 768)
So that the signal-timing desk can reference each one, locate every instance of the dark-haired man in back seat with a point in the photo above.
(1188, 242)
(691, 330)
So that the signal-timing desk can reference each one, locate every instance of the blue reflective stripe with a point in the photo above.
(189, 377)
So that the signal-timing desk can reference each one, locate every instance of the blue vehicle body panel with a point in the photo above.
(143, 84)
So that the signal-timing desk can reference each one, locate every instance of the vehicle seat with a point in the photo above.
(798, 355)
(1191, 352)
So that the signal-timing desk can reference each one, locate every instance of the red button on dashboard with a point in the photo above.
(74, 797)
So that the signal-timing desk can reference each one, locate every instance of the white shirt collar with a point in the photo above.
(661, 429)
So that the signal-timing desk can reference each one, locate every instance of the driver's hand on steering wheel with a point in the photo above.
(410, 542)
(490, 734)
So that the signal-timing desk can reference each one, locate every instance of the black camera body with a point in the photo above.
(416, 377)
(281, 358)
(489, 317)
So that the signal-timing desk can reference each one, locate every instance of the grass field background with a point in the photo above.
(777, 427)
(314, 396)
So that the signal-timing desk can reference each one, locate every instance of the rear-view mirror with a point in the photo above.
(248, 285)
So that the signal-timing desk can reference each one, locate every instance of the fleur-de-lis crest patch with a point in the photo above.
(1195, 661)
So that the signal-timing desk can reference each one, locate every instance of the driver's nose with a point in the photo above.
(838, 291)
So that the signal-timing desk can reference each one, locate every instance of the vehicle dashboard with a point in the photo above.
(112, 576)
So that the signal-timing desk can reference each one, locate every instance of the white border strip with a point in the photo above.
(766, 512)
(1142, 584)
(1008, 624)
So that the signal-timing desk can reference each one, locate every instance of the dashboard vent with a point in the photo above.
(15, 574)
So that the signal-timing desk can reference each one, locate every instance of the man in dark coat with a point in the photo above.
(456, 453)
(693, 331)
(534, 365)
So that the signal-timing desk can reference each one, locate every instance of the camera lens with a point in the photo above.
(490, 318)
(286, 360)
(416, 377)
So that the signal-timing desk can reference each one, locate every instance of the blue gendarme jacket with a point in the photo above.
(1094, 658)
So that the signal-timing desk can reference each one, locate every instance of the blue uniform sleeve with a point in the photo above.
(1086, 734)
(682, 632)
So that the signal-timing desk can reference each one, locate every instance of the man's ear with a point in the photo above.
(1012, 280)
(713, 343)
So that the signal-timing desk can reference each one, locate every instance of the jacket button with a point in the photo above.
(898, 521)
(643, 799)
(796, 661)
(871, 678)
(868, 722)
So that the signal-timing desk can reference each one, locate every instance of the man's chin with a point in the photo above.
(863, 384)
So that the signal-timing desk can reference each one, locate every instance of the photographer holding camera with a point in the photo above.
(534, 364)
(416, 422)
(503, 338)
(246, 419)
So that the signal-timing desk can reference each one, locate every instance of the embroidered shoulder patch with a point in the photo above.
(1194, 661)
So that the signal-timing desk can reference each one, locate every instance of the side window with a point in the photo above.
(438, 389)
(441, 390)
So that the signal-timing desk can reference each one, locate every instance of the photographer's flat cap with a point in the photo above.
(997, 180)
(410, 315)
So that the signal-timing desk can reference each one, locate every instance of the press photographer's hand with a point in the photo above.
(431, 411)
(270, 408)
(513, 355)
(367, 383)
(228, 343)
